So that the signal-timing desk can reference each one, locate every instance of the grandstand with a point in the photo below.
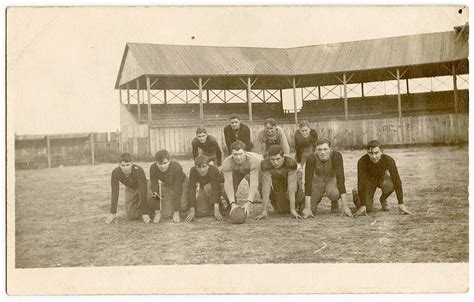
(351, 91)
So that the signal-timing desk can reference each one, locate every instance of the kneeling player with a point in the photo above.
(208, 199)
(174, 185)
(136, 197)
(279, 183)
(235, 168)
(324, 174)
(377, 170)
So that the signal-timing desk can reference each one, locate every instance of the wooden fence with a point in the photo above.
(425, 129)
(42, 151)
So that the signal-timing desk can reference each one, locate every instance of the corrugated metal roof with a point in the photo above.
(169, 61)
(379, 53)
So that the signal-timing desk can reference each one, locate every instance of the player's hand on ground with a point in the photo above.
(263, 214)
(295, 214)
(307, 213)
(345, 211)
(218, 215)
(157, 217)
(191, 214)
(176, 217)
(110, 218)
(146, 218)
(361, 211)
(403, 209)
(246, 207)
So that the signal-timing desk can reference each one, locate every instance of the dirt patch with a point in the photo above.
(60, 222)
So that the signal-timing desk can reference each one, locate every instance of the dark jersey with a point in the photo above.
(172, 178)
(136, 180)
(368, 171)
(210, 148)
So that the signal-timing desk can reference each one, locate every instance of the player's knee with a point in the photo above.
(387, 186)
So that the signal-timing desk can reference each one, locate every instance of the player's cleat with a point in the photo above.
(238, 215)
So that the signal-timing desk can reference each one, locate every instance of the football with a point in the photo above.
(238, 216)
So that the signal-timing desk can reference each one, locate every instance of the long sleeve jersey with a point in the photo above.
(242, 134)
(250, 165)
(265, 142)
(172, 178)
(136, 180)
(368, 172)
(336, 169)
(213, 177)
(283, 178)
(304, 143)
(210, 148)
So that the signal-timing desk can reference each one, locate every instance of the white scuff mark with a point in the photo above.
(373, 222)
(320, 249)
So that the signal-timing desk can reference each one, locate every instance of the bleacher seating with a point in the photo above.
(315, 110)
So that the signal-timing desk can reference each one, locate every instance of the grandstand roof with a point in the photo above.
(172, 66)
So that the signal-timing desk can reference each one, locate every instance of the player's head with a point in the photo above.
(202, 164)
(234, 120)
(201, 134)
(162, 160)
(304, 128)
(275, 154)
(270, 126)
(237, 150)
(323, 149)
(125, 163)
(374, 150)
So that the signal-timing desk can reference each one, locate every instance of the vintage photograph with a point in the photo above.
(226, 139)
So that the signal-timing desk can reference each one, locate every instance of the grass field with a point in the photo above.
(60, 222)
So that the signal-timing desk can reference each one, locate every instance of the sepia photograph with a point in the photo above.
(283, 149)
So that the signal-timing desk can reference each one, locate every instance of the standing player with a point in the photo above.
(136, 197)
(204, 144)
(208, 199)
(272, 135)
(174, 185)
(377, 170)
(237, 131)
(279, 183)
(305, 141)
(324, 174)
(235, 167)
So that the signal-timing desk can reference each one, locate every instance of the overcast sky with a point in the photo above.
(63, 62)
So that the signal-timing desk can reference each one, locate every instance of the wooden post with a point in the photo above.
(319, 92)
(294, 100)
(362, 89)
(48, 151)
(92, 149)
(164, 97)
(201, 110)
(408, 89)
(455, 88)
(207, 95)
(128, 98)
(120, 95)
(249, 98)
(398, 94)
(281, 96)
(138, 102)
(346, 107)
(149, 112)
